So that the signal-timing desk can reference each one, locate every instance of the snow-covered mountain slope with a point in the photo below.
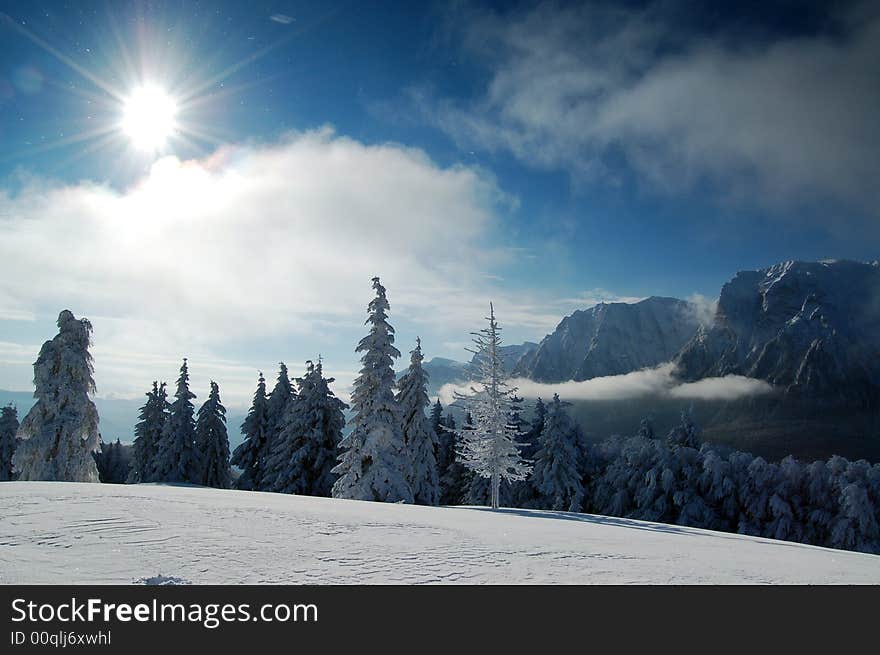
(611, 339)
(809, 327)
(55, 532)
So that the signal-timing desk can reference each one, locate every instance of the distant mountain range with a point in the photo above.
(810, 328)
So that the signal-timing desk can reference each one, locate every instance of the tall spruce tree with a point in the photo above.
(374, 464)
(8, 441)
(212, 442)
(255, 429)
(491, 449)
(558, 476)
(445, 440)
(278, 411)
(306, 449)
(532, 438)
(148, 434)
(177, 457)
(60, 433)
(418, 434)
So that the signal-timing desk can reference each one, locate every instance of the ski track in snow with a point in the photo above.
(54, 532)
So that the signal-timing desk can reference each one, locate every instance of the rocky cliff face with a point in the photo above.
(611, 339)
(809, 327)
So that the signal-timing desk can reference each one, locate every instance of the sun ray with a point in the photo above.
(94, 79)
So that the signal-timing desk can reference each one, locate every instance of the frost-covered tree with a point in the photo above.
(375, 464)
(532, 437)
(821, 504)
(60, 432)
(148, 434)
(419, 436)
(557, 475)
(686, 433)
(8, 440)
(212, 442)
(305, 452)
(491, 450)
(278, 409)
(177, 459)
(445, 438)
(755, 491)
(255, 429)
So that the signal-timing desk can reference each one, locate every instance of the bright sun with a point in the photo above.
(148, 117)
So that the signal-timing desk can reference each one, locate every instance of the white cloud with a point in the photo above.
(728, 387)
(250, 238)
(257, 250)
(659, 382)
(785, 120)
(252, 243)
(703, 308)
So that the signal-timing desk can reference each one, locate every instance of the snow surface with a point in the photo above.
(59, 532)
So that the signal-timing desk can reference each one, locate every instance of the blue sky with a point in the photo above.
(542, 155)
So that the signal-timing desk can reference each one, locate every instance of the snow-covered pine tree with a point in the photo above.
(306, 449)
(419, 437)
(490, 450)
(278, 412)
(148, 434)
(374, 464)
(255, 429)
(686, 433)
(8, 440)
(212, 442)
(177, 459)
(437, 425)
(122, 461)
(479, 489)
(60, 432)
(557, 476)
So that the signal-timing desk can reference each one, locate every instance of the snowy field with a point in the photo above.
(54, 532)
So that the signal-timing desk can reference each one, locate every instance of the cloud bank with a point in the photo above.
(254, 243)
(650, 382)
(780, 120)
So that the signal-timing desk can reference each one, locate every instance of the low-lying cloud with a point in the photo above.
(650, 382)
